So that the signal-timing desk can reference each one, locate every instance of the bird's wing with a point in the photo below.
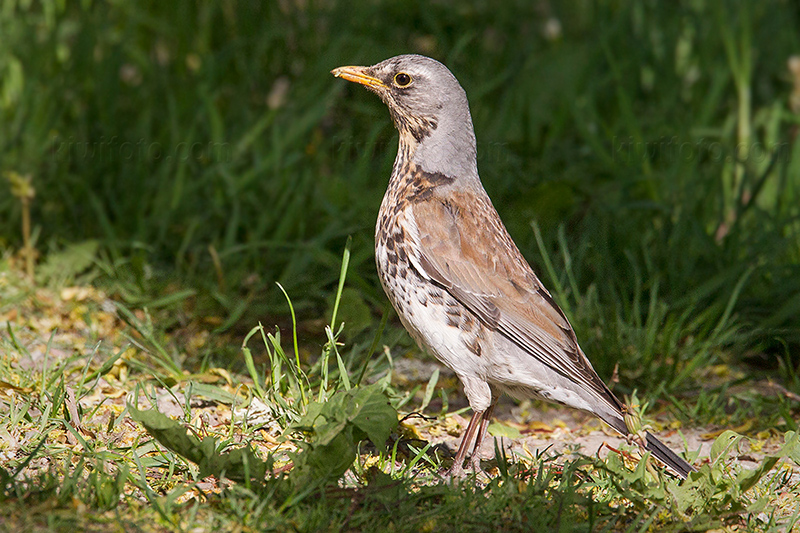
(471, 255)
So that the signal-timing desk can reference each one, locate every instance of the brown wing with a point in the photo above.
(472, 256)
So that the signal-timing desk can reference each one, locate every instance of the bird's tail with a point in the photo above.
(662, 452)
(657, 449)
(615, 418)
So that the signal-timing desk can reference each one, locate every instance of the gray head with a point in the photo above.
(429, 109)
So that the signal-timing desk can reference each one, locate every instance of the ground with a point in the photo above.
(71, 367)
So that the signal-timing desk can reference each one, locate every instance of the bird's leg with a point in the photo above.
(475, 458)
(457, 470)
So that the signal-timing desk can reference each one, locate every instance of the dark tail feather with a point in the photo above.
(658, 449)
(661, 452)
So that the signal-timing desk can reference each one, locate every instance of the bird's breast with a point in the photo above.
(433, 317)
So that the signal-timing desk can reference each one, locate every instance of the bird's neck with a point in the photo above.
(445, 150)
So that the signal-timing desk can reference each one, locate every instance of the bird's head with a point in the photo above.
(428, 106)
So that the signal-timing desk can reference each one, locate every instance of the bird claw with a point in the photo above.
(475, 464)
(457, 472)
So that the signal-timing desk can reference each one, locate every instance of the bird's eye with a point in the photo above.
(402, 79)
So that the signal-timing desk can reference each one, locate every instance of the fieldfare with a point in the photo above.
(458, 282)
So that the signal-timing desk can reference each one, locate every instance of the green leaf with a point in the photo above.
(168, 432)
(241, 464)
(212, 392)
(385, 489)
(747, 478)
(791, 447)
(759, 505)
(687, 496)
(326, 419)
(336, 426)
(724, 444)
(371, 412)
(429, 390)
(13, 82)
(501, 430)
(332, 460)
(68, 263)
(367, 408)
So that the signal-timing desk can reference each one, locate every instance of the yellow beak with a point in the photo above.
(358, 75)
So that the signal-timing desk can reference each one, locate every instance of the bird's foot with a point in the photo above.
(480, 473)
(475, 465)
(457, 472)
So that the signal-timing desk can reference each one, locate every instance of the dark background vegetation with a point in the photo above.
(209, 152)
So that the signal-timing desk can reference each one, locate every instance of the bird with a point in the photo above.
(458, 282)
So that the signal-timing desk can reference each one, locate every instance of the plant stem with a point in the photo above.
(26, 236)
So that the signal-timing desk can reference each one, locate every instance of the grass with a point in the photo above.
(176, 171)
(631, 144)
(276, 449)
